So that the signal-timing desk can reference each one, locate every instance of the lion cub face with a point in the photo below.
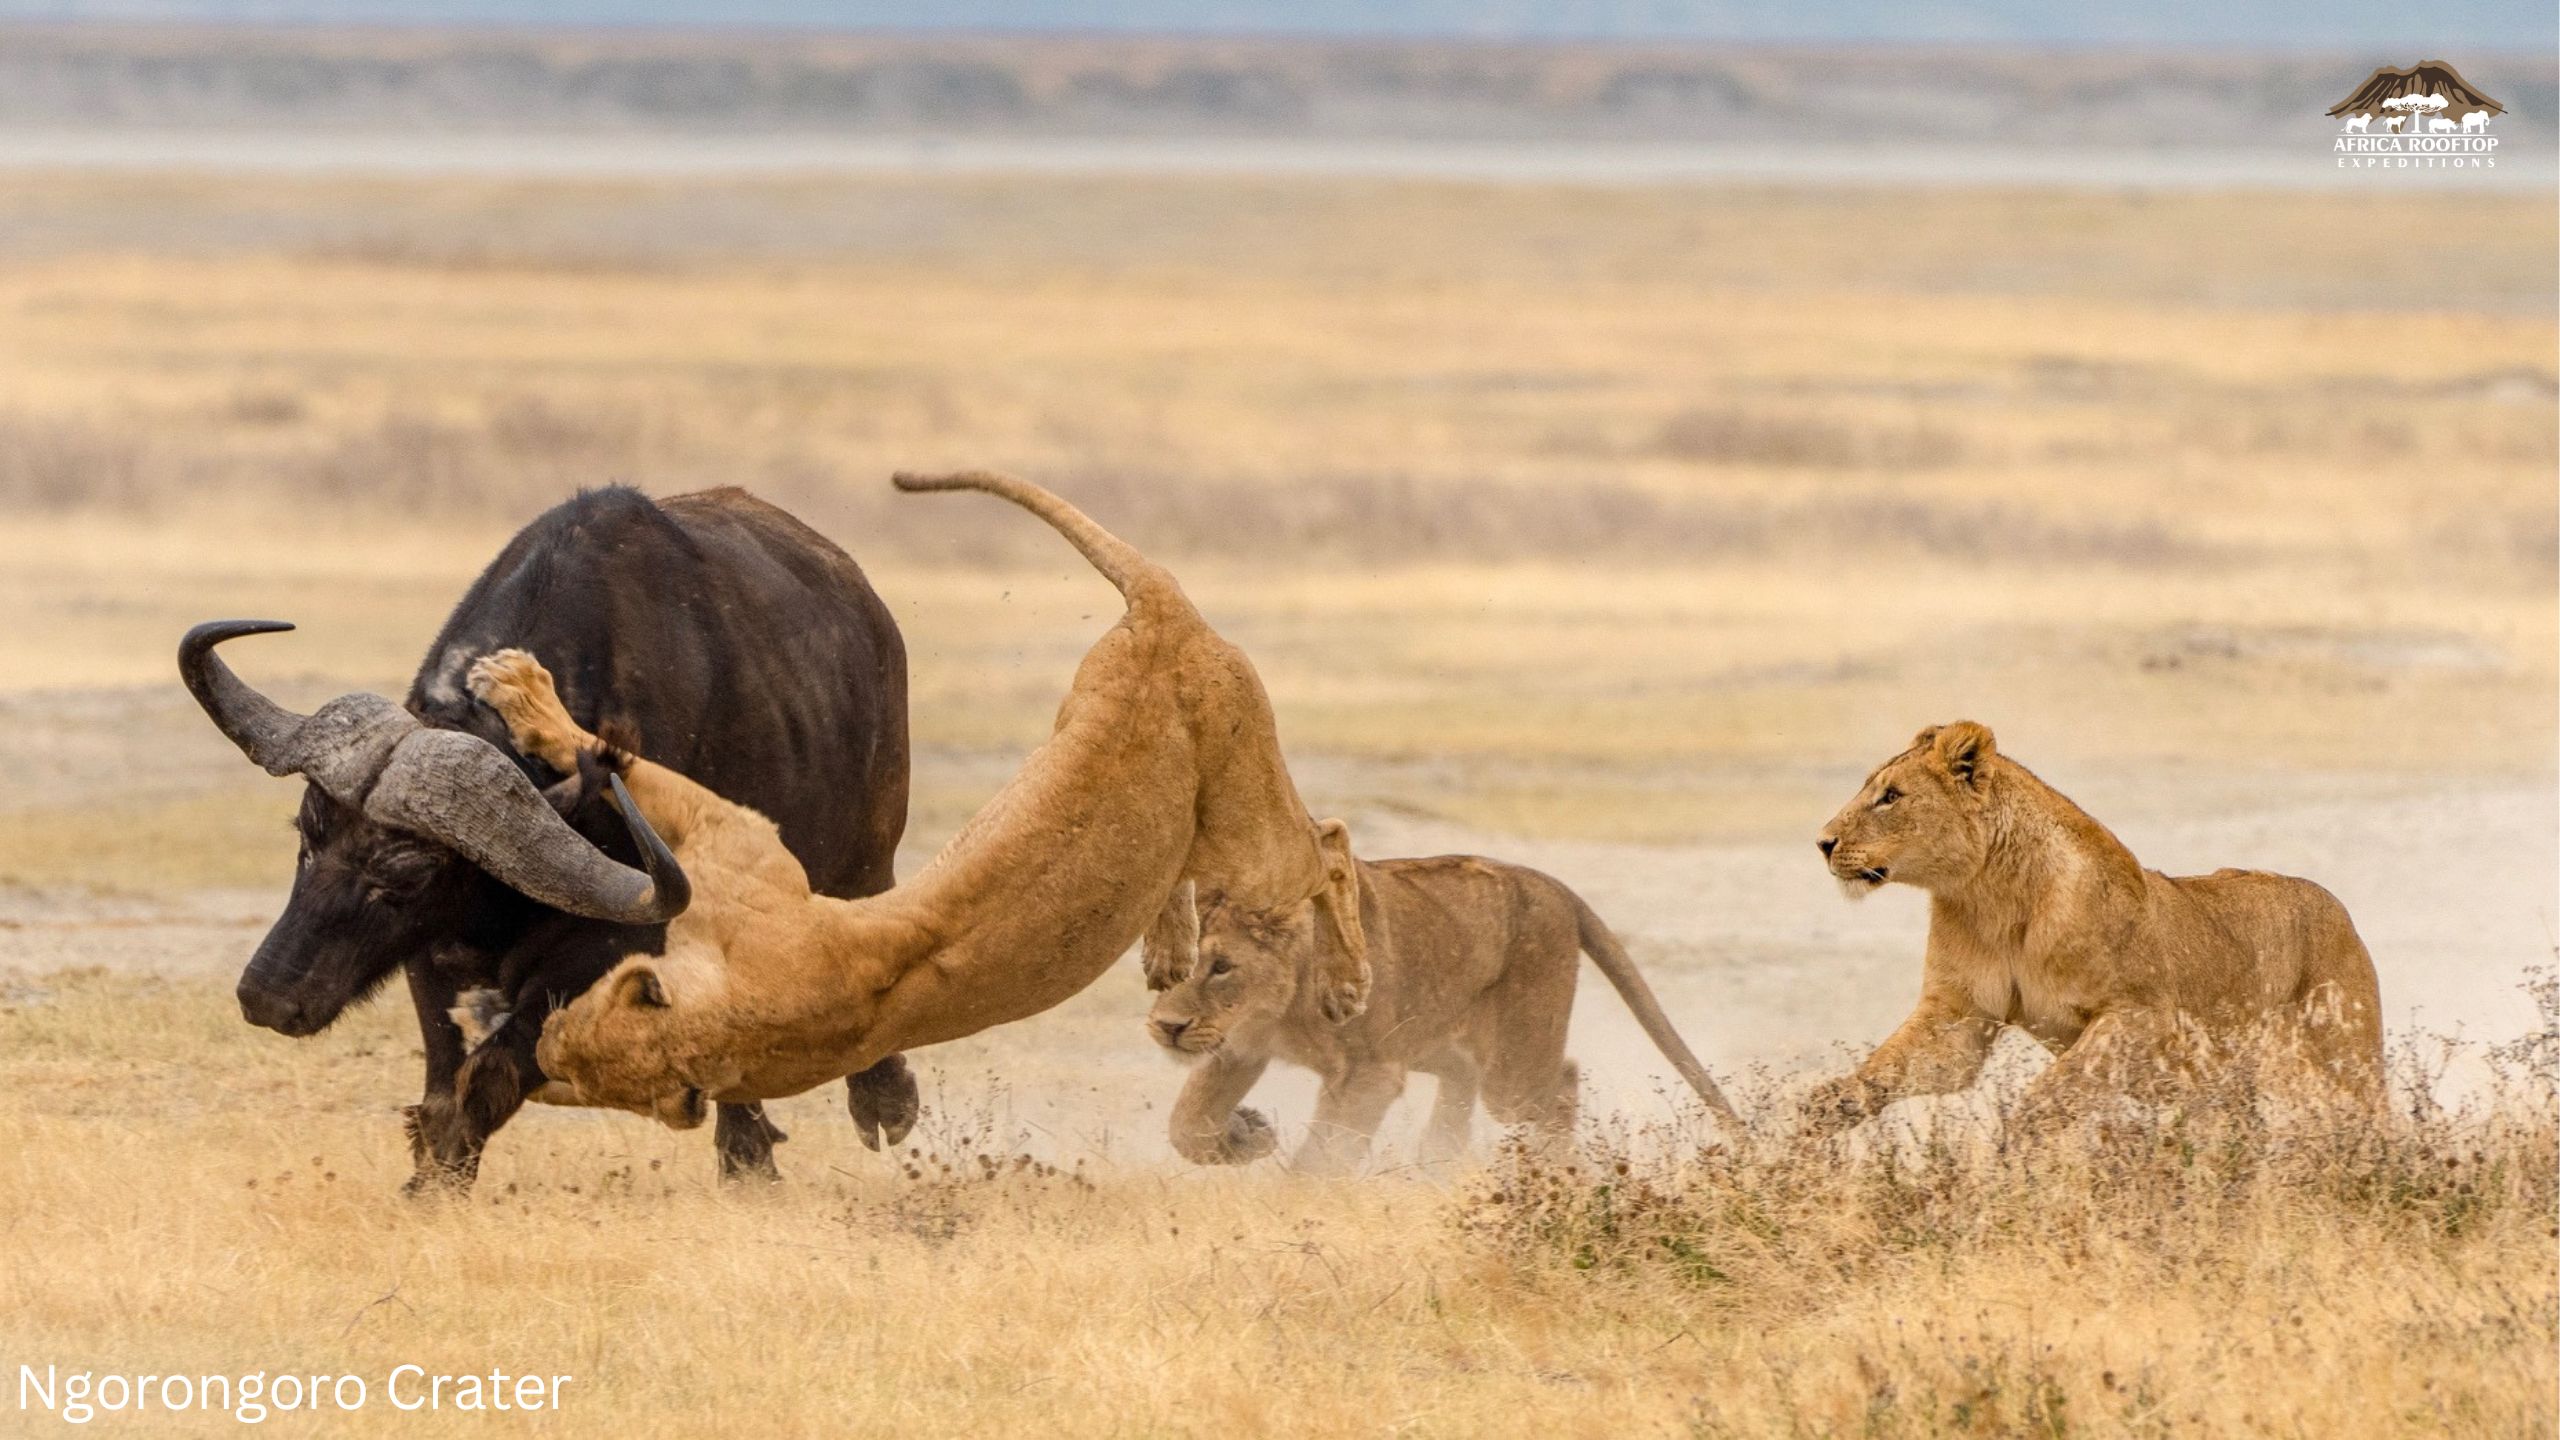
(1245, 980)
(1919, 819)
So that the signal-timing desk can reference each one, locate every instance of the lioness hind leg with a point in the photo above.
(2338, 1039)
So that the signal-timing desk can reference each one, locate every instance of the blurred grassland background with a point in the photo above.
(1583, 492)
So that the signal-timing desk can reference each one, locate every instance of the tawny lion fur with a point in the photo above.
(1473, 964)
(1162, 777)
(2040, 918)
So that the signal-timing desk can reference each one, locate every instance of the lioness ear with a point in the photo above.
(1962, 748)
(639, 986)
(1340, 898)
(1171, 945)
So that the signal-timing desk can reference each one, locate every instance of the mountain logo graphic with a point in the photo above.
(2430, 97)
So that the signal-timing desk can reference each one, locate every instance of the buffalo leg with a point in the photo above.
(449, 1134)
(438, 1109)
(884, 1101)
(493, 1083)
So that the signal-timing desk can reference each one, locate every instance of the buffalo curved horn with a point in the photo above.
(341, 746)
(465, 792)
(452, 787)
(668, 885)
(262, 729)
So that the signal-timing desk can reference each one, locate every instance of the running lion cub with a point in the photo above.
(1472, 965)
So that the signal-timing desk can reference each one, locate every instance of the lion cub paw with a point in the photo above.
(1250, 1136)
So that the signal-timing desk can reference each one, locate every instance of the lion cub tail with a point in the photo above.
(1132, 574)
(1605, 952)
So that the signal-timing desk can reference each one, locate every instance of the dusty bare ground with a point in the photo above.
(1755, 952)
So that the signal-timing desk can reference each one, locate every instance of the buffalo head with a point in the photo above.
(410, 837)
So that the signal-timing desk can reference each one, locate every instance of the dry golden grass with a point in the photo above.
(186, 1196)
(1641, 515)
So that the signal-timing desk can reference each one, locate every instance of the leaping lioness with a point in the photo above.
(2040, 918)
(1162, 777)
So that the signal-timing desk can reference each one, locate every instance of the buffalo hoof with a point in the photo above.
(444, 1169)
(884, 1102)
(439, 1182)
(745, 1138)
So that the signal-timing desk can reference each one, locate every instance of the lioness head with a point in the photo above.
(1920, 818)
(625, 1043)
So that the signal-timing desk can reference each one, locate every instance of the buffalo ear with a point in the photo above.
(564, 795)
(640, 987)
(1963, 748)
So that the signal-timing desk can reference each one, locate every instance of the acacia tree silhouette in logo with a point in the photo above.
(2417, 108)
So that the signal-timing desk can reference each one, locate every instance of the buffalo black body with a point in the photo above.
(711, 632)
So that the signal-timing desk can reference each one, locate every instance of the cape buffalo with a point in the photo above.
(711, 631)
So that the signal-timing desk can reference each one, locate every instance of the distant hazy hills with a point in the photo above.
(80, 76)
(2433, 25)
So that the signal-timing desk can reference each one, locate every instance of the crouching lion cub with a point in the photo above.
(1163, 772)
(2040, 918)
(1472, 969)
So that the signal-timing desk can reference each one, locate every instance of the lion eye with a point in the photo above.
(1888, 797)
(1220, 966)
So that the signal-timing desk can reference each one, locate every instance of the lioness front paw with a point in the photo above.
(1344, 998)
